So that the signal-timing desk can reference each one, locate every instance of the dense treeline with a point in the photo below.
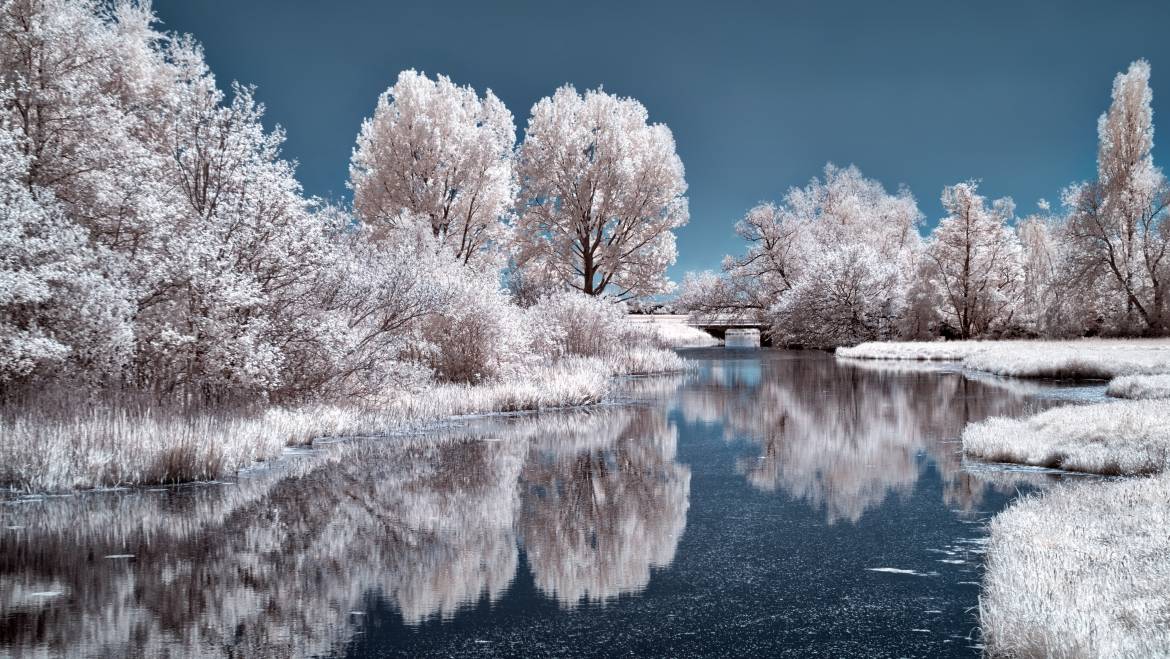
(153, 238)
(841, 260)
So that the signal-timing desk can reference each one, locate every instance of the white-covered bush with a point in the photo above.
(477, 334)
(572, 323)
(850, 293)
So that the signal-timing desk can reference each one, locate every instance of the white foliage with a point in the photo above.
(847, 293)
(602, 193)
(155, 244)
(976, 259)
(829, 265)
(439, 152)
(1044, 308)
(570, 323)
(193, 218)
(574, 324)
(477, 332)
(1117, 223)
(235, 263)
(57, 301)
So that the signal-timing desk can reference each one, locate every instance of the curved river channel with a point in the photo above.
(770, 503)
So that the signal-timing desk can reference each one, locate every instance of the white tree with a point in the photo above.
(71, 178)
(976, 259)
(57, 301)
(1045, 308)
(380, 298)
(66, 85)
(1118, 223)
(774, 260)
(148, 180)
(602, 193)
(851, 293)
(711, 294)
(437, 153)
(828, 266)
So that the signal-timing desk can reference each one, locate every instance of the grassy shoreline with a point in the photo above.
(112, 447)
(1122, 438)
(1079, 359)
(1082, 569)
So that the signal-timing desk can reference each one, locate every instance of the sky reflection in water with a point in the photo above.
(741, 509)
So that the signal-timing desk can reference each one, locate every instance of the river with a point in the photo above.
(770, 503)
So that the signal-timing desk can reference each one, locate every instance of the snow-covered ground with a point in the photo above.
(1081, 571)
(1117, 438)
(1076, 359)
(914, 350)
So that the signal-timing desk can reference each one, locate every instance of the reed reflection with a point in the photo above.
(283, 561)
(272, 565)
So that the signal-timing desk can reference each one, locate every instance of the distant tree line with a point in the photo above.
(841, 260)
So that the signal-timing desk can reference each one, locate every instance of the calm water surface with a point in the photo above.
(772, 503)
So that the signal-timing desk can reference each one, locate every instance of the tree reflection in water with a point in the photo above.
(278, 562)
(595, 521)
(845, 435)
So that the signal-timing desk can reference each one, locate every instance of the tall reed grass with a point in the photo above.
(63, 449)
(1081, 571)
(1081, 359)
(1116, 438)
(1140, 387)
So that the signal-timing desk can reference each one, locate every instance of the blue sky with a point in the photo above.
(759, 95)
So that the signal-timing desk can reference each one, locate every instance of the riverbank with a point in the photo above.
(1080, 359)
(43, 451)
(1122, 438)
(476, 531)
(1080, 570)
(1128, 437)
